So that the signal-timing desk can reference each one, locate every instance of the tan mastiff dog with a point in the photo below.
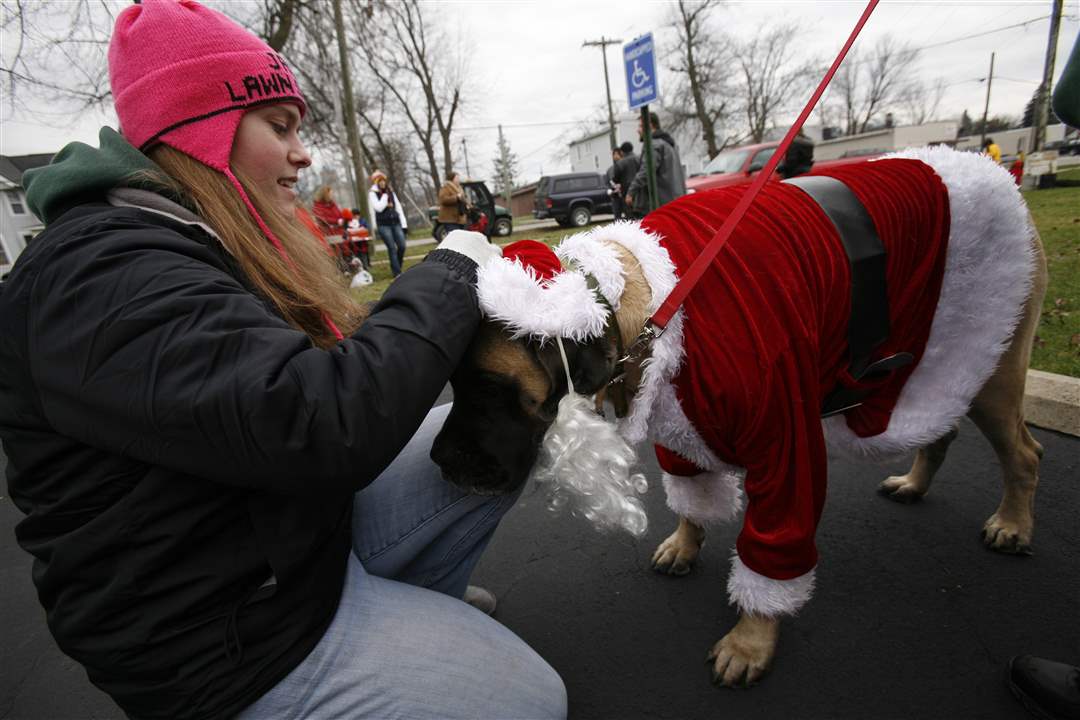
(971, 358)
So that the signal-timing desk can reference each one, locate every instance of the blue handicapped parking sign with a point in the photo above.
(639, 60)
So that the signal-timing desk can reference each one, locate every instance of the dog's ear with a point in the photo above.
(591, 364)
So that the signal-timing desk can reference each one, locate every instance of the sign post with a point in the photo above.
(642, 88)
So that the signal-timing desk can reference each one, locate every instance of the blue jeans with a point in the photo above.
(402, 645)
(393, 238)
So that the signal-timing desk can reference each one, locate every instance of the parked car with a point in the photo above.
(738, 165)
(500, 222)
(571, 199)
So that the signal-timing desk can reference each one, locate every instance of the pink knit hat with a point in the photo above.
(184, 75)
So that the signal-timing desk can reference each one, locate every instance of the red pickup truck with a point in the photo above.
(738, 165)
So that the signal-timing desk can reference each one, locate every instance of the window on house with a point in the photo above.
(15, 200)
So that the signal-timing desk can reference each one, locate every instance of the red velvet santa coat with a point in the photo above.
(765, 336)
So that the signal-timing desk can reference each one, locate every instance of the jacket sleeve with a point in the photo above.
(377, 204)
(640, 182)
(143, 347)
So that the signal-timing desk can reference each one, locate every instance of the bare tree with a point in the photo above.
(409, 58)
(773, 78)
(56, 64)
(867, 85)
(278, 17)
(921, 101)
(57, 67)
(700, 60)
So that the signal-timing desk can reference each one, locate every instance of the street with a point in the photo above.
(911, 619)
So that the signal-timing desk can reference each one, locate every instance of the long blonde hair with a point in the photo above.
(302, 288)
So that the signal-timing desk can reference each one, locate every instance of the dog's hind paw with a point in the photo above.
(901, 489)
(1003, 536)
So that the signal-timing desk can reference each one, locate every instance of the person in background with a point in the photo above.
(990, 148)
(799, 157)
(625, 171)
(390, 220)
(326, 211)
(618, 204)
(1017, 169)
(452, 203)
(670, 183)
(223, 459)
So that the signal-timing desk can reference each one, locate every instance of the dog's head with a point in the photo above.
(506, 395)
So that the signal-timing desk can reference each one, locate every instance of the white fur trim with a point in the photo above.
(656, 373)
(706, 498)
(564, 306)
(669, 426)
(599, 260)
(655, 262)
(764, 596)
(988, 275)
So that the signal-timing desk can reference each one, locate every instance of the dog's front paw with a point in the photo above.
(1006, 535)
(902, 488)
(742, 656)
(676, 555)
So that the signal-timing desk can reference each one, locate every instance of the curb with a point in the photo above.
(1052, 402)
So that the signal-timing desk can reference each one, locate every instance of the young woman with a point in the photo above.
(225, 474)
(389, 219)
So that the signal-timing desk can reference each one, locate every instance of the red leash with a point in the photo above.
(656, 324)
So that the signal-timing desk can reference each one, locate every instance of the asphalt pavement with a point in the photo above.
(911, 619)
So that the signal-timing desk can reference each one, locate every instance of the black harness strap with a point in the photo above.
(868, 322)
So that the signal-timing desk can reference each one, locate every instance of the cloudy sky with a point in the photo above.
(532, 75)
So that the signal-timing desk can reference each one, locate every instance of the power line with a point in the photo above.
(980, 34)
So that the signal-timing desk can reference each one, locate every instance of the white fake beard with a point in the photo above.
(586, 466)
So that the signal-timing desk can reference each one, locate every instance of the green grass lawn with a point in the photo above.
(381, 270)
(1057, 215)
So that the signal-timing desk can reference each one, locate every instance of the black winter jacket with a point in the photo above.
(186, 459)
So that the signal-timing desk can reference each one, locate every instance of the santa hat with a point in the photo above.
(572, 291)
(530, 291)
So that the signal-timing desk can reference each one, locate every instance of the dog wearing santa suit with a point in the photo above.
(731, 394)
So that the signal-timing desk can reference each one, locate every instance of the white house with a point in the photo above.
(592, 153)
(18, 225)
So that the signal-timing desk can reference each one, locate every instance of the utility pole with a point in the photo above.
(986, 107)
(465, 149)
(1043, 106)
(359, 196)
(602, 43)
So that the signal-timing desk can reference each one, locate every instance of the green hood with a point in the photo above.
(81, 174)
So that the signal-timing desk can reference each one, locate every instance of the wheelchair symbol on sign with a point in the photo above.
(639, 77)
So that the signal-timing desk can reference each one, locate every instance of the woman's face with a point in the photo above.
(268, 151)
(381, 182)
